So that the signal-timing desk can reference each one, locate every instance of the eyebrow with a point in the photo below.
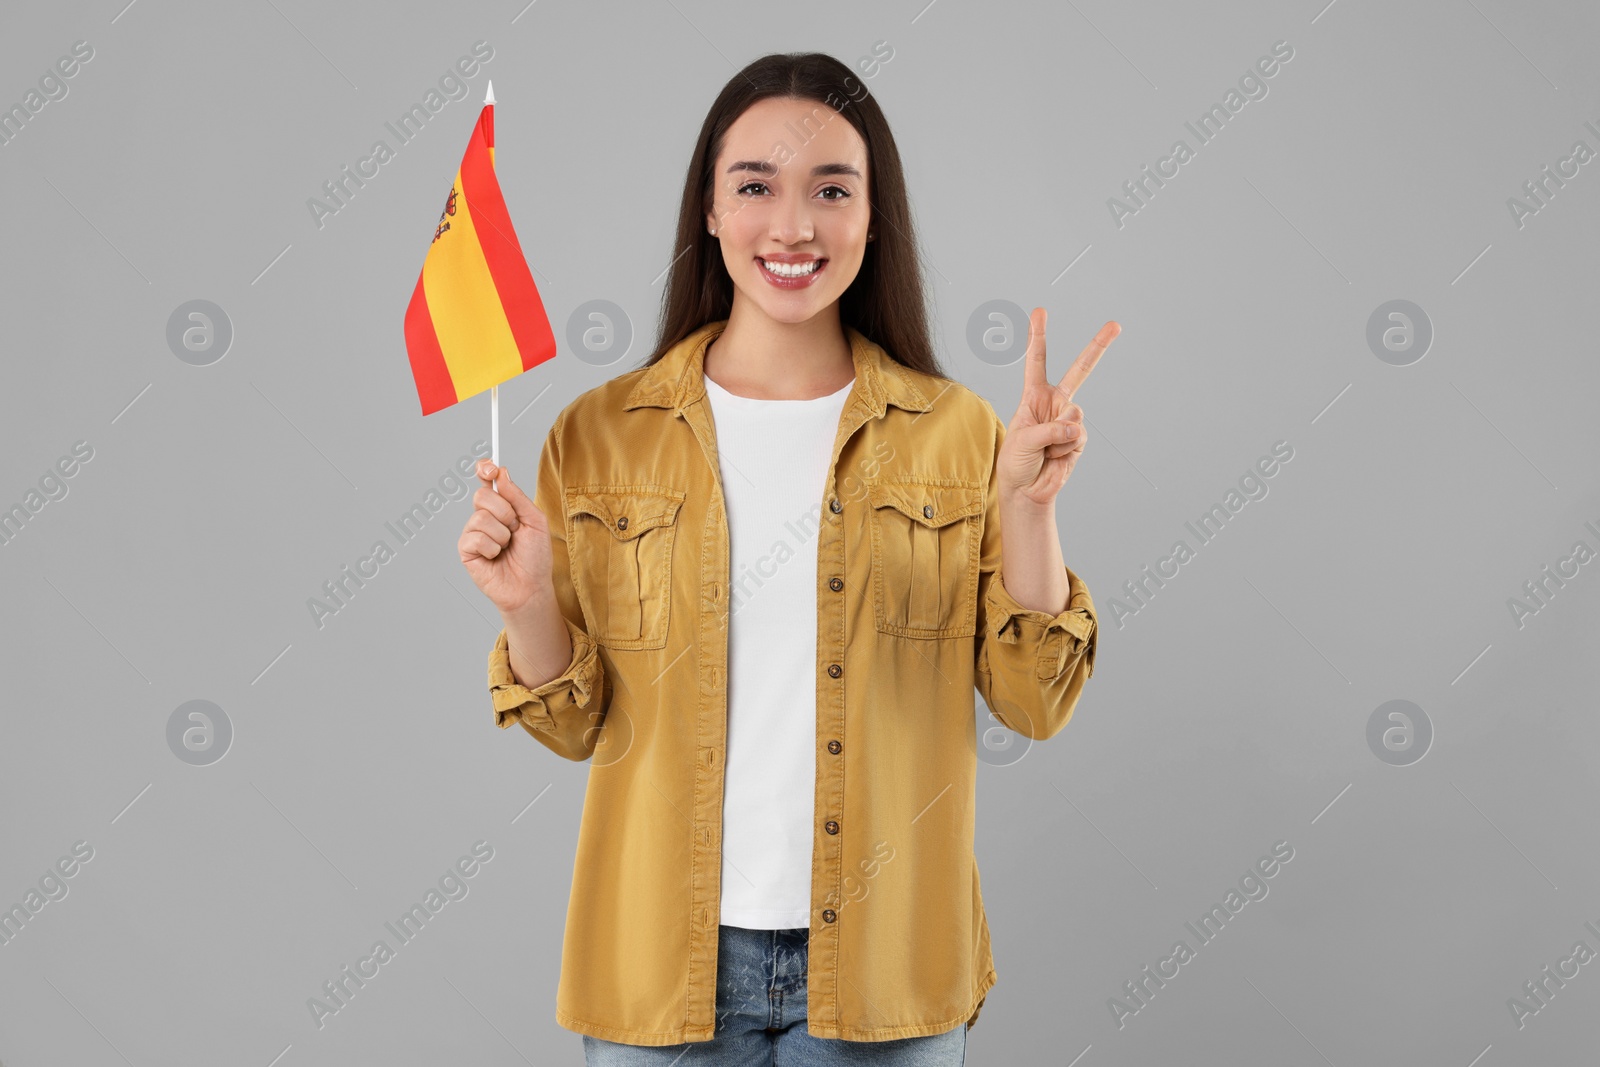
(769, 169)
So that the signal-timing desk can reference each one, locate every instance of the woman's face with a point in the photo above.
(790, 189)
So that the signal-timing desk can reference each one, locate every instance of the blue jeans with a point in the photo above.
(761, 1015)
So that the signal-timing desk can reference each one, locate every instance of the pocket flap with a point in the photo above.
(929, 504)
(626, 511)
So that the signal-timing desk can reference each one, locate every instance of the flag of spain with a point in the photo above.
(475, 318)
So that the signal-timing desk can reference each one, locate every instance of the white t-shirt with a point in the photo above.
(774, 456)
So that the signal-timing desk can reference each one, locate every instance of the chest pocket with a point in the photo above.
(619, 545)
(925, 542)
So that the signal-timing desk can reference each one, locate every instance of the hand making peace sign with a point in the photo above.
(1046, 435)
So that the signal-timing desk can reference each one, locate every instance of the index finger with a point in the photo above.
(499, 479)
(1088, 358)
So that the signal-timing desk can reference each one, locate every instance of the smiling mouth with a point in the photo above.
(792, 270)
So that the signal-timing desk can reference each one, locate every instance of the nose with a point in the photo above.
(791, 222)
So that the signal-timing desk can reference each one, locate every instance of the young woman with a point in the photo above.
(758, 583)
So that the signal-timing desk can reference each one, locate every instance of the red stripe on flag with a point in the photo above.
(435, 388)
(525, 313)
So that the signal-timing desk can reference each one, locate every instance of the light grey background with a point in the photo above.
(1227, 714)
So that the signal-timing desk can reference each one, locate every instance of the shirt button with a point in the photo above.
(836, 584)
(622, 523)
(835, 507)
(831, 826)
(828, 915)
(927, 511)
(834, 670)
(834, 747)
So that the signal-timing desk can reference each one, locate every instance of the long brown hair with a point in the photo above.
(886, 301)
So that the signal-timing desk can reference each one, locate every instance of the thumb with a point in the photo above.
(1039, 436)
(510, 491)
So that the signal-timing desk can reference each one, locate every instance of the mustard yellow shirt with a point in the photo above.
(912, 619)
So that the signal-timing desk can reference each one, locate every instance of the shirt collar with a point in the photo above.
(677, 379)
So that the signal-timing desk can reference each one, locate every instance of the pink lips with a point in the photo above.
(789, 258)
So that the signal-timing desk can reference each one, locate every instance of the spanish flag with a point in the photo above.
(475, 318)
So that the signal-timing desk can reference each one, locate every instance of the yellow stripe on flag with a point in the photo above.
(473, 333)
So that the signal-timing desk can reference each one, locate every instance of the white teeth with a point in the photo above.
(792, 270)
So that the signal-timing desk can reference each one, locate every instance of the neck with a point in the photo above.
(759, 357)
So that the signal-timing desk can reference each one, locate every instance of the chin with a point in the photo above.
(793, 311)
(791, 308)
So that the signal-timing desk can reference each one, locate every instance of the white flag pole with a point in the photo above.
(494, 391)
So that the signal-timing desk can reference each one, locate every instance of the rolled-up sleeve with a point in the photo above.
(1054, 642)
(544, 708)
(565, 713)
(1032, 665)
